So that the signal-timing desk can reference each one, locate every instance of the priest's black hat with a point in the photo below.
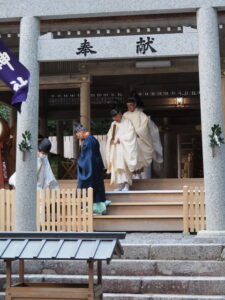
(115, 111)
(45, 145)
(131, 100)
(78, 127)
(139, 102)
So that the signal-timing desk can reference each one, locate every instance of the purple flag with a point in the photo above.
(15, 75)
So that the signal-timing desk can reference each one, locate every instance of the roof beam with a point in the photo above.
(12, 10)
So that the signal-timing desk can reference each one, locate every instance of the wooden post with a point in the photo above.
(91, 275)
(202, 208)
(2, 181)
(99, 271)
(13, 118)
(60, 138)
(8, 273)
(178, 157)
(185, 210)
(85, 105)
(76, 147)
(21, 271)
(43, 127)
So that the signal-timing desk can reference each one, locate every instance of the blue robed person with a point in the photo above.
(90, 168)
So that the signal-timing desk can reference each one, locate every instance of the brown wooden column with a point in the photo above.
(13, 118)
(85, 104)
(12, 145)
(75, 145)
(60, 138)
(43, 127)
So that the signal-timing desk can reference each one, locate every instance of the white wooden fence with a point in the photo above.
(57, 210)
(193, 209)
(7, 209)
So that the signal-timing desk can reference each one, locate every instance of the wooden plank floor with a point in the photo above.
(145, 184)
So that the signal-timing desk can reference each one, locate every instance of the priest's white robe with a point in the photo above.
(140, 122)
(122, 158)
(45, 176)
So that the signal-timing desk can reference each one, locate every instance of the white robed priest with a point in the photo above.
(45, 176)
(140, 122)
(121, 150)
(156, 141)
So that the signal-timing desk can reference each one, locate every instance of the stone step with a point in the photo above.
(186, 252)
(130, 268)
(167, 252)
(146, 196)
(150, 297)
(173, 251)
(138, 223)
(159, 297)
(178, 285)
(145, 208)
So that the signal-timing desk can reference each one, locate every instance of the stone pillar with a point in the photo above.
(85, 105)
(211, 113)
(43, 127)
(60, 138)
(26, 171)
(223, 97)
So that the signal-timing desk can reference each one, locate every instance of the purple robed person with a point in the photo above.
(15, 75)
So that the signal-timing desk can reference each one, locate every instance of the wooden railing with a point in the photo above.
(57, 210)
(193, 209)
(70, 210)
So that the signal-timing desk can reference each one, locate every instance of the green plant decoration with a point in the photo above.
(215, 137)
(25, 145)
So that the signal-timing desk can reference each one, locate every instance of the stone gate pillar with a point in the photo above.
(223, 97)
(211, 113)
(26, 171)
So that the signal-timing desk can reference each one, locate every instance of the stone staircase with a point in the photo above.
(166, 267)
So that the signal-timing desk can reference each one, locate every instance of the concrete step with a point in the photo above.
(145, 196)
(125, 267)
(159, 297)
(138, 223)
(179, 285)
(145, 208)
